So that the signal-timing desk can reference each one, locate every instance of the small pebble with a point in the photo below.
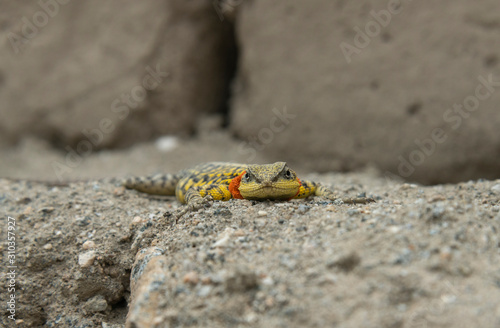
(191, 278)
(47, 247)
(89, 244)
(137, 220)
(496, 188)
(166, 143)
(119, 191)
(223, 242)
(445, 253)
(96, 304)
(83, 221)
(269, 301)
(268, 281)
(110, 325)
(394, 229)
(327, 279)
(86, 259)
(261, 213)
(239, 233)
(28, 211)
(205, 290)
(46, 210)
(436, 198)
(406, 186)
(224, 238)
(206, 280)
(251, 317)
(448, 298)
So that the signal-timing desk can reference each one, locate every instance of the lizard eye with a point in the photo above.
(246, 176)
(288, 174)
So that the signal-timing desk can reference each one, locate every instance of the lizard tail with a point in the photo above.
(159, 184)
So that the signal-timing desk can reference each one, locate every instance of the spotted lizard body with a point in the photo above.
(223, 181)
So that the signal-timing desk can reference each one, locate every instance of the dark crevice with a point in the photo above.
(230, 70)
(121, 304)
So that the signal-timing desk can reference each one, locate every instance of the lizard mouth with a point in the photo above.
(268, 192)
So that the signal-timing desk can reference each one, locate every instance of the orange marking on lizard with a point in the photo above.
(234, 186)
(298, 190)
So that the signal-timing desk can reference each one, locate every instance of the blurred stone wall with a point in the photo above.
(110, 72)
(410, 87)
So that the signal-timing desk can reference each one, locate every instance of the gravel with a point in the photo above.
(419, 256)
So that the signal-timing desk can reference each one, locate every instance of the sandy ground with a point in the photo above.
(418, 257)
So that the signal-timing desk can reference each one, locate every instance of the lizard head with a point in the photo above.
(269, 181)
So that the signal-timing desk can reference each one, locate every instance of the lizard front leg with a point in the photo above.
(197, 197)
(311, 188)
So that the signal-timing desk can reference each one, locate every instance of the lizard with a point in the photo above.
(205, 182)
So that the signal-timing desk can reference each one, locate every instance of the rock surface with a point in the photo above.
(419, 256)
(402, 87)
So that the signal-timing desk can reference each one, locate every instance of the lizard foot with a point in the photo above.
(191, 207)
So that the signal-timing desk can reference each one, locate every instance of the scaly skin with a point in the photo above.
(223, 181)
